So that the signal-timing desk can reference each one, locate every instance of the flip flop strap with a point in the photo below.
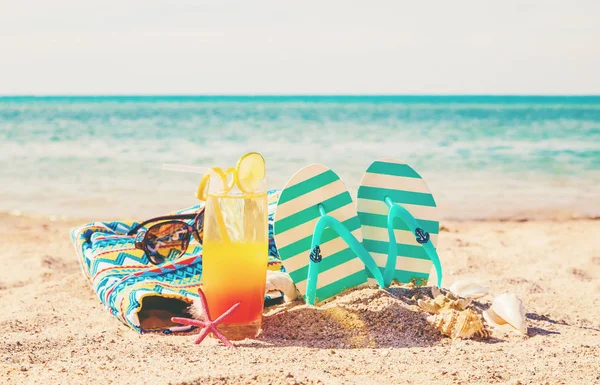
(315, 256)
(397, 211)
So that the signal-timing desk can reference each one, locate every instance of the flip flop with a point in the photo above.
(318, 235)
(399, 222)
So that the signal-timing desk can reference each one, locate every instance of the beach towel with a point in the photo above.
(130, 287)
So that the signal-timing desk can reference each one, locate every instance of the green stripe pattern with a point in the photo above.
(376, 215)
(297, 190)
(394, 169)
(380, 220)
(299, 242)
(340, 285)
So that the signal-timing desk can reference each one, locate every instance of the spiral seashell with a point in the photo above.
(443, 302)
(459, 324)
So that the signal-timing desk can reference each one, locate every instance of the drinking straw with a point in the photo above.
(184, 168)
(220, 221)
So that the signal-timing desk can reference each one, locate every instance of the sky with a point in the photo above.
(299, 47)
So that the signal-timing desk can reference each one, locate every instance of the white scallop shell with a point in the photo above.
(468, 289)
(507, 309)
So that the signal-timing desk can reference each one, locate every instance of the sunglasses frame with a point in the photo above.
(192, 230)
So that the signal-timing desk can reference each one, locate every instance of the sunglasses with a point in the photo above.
(170, 237)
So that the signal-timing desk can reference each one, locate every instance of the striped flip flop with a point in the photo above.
(399, 222)
(318, 235)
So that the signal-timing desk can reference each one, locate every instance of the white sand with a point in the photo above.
(54, 330)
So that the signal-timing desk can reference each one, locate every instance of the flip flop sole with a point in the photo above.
(399, 181)
(297, 214)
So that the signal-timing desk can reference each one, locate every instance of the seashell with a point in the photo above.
(468, 289)
(507, 309)
(443, 302)
(459, 324)
(281, 281)
(429, 306)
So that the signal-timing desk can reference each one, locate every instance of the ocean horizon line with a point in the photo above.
(394, 98)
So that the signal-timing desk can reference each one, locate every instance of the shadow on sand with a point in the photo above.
(543, 318)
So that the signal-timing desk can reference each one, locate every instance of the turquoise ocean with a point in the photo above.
(482, 156)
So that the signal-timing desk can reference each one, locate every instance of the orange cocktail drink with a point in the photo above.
(235, 247)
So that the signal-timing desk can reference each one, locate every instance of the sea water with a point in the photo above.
(482, 156)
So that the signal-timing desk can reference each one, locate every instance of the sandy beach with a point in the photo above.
(55, 331)
(467, 133)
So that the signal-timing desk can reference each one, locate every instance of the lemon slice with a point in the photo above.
(250, 172)
(248, 175)
(202, 192)
(217, 181)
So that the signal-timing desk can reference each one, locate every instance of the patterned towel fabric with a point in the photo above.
(122, 276)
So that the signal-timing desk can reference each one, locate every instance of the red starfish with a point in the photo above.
(208, 324)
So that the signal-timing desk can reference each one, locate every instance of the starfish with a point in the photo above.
(208, 324)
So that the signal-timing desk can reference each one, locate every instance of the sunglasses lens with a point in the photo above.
(199, 226)
(166, 241)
